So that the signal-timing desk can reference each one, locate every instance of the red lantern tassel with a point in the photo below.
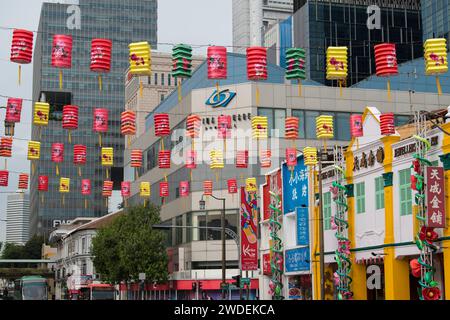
(257, 95)
(57, 170)
(141, 88)
(79, 171)
(389, 89)
(107, 173)
(438, 84)
(179, 91)
(70, 137)
(20, 74)
(63, 200)
(100, 82)
(6, 164)
(60, 79)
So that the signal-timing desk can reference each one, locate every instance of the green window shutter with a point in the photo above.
(360, 198)
(379, 193)
(327, 210)
(405, 192)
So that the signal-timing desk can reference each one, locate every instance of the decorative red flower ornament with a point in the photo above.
(428, 234)
(431, 293)
(415, 268)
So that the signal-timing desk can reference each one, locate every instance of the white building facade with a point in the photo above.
(18, 218)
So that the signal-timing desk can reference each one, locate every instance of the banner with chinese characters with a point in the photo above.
(435, 197)
(302, 227)
(249, 229)
(295, 186)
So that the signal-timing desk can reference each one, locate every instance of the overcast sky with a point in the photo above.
(193, 22)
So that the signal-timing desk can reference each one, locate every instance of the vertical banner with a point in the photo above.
(267, 271)
(435, 197)
(266, 200)
(295, 186)
(249, 229)
(302, 227)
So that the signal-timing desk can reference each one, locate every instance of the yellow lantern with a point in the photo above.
(216, 157)
(34, 153)
(337, 64)
(250, 185)
(259, 127)
(310, 156)
(41, 114)
(64, 185)
(144, 189)
(140, 60)
(107, 159)
(324, 127)
(436, 59)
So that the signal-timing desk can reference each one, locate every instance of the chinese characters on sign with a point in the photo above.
(295, 186)
(302, 227)
(435, 197)
(297, 260)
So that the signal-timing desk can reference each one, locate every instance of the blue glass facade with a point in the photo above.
(435, 19)
(123, 22)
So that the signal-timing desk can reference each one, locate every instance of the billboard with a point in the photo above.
(249, 230)
(295, 186)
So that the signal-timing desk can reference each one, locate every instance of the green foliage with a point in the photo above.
(31, 250)
(129, 246)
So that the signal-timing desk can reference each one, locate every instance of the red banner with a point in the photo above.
(435, 197)
(249, 227)
(266, 199)
(267, 271)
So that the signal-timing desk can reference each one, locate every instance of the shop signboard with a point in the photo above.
(302, 226)
(249, 229)
(435, 197)
(295, 186)
(297, 260)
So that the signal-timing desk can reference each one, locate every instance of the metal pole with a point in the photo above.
(223, 249)
(248, 286)
(321, 236)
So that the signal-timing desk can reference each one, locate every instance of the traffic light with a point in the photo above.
(237, 281)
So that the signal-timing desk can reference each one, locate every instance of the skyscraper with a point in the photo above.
(122, 22)
(17, 218)
(319, 24)
(435, 19)
(252, 17)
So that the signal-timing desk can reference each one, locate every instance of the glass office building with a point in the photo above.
(435, 18)
(320, 24)
(121, 21)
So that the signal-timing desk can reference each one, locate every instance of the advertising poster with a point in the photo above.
(249, 229)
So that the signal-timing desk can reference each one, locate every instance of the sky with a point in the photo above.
(195, 22)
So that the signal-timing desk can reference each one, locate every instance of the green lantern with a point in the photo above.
(182, 61)
(295, 66)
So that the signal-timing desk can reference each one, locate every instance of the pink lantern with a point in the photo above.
(62, 51)
(224, 127)
(57, 152)
(22, 46)
(386, 59)
(242, 159)
(265, 158)
(13, 110)
(191, 159)
(4, 177)
(163, 189)
(86, 189)
(43, 183)
(232, 186)
(100, 120)
(356, 127)
(291, 157)
(125, 189)
(217, 62)
(257, 63)
(184, 188)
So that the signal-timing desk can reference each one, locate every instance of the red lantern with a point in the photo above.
(6, 147)
(4, 177)
(193, 124)
(163, 189)
(356, 127)
(191, 158)
(22, 46)
(184, 188)
(86, 189)
(232, 186)
(125, 189)
(13, 110)
(291, 157)
(207, 187)
(70, 117)
(291, 128)
(224, 127)
(107, 188)
(386, 59)
(62, 51)
(242, 159)
(217, 62)
(387, 125)
(57, 152)
(101, 55)
(136, 158)
(79, 154)
(164, 159)
(257, 63)
(162, 125)
(265, 158)
(43, 183)
(128, 123)
(100, 120)
(23, 181)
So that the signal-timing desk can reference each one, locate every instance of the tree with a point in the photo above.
(33, 247)
(129, 246)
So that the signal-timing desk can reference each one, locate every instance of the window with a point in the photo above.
(405, 192)
(156, 79)
(300, 114)
(360, 197)
(162, 98)
(169, 80)
(179, 231)
(310, 124)
(342, 126)
(275, 119)
(379, 193)
(162, 79)
(327, 210)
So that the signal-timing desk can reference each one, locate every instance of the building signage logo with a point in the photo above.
(410, 148)
(221, 98)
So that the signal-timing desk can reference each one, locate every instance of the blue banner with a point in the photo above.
(297, 260)
(302, 226)
(295, 186)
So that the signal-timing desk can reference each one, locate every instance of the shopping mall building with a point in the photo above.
(195, 253)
